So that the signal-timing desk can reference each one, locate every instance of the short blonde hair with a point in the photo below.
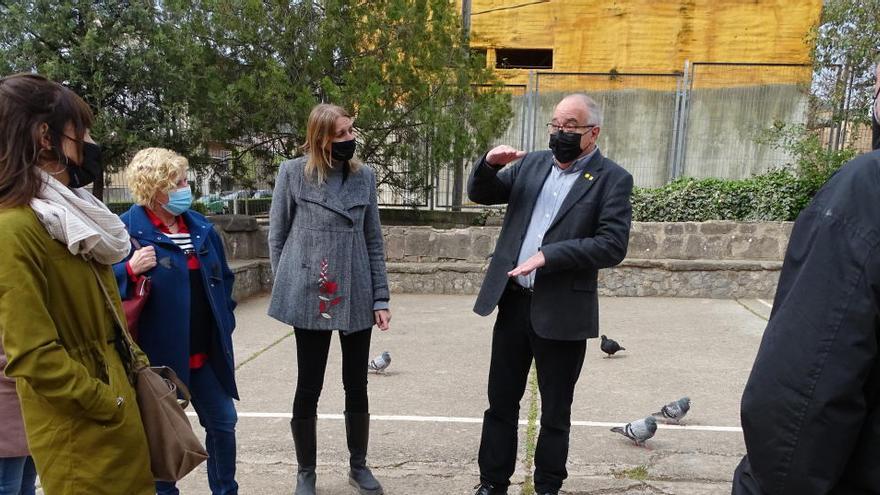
(319, 134)
(153, 171)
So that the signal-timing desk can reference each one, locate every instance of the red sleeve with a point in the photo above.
(131, 275)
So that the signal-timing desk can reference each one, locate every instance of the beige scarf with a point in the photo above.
(77, 219)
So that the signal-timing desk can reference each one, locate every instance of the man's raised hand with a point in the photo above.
(501, 155)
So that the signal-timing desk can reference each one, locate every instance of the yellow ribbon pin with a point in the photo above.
(588, 176)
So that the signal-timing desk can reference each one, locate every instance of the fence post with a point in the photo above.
(524, 117)
(531, 112)
(683, 115)
(431, 194)
(676, 123)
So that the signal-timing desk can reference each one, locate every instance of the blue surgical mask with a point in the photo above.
(179, 201)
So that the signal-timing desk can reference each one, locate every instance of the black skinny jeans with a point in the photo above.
(312, 347)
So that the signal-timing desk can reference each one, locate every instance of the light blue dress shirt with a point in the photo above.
(553, 193)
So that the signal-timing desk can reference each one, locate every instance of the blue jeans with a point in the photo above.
(17, 476)
(217, 415)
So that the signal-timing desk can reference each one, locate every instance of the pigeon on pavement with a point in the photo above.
(638, 431)
(675, 411)
(610, 346)
(380, 363)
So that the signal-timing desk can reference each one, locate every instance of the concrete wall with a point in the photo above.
(709, 259)
(717, 240)
(711, 241)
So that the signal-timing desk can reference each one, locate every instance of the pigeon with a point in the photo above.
(638, 431)
(610, 346)
(675, 411)
(380, 363)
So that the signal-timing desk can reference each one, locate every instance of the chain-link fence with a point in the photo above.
(729, 108)
(514, 135)
(639, 113)
(406, 181)
(707, 121)
(222, 186)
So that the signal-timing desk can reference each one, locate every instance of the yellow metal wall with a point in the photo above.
(648, 35)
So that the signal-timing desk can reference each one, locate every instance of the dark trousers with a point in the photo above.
(217, 415)
(558, 363)
(312, 347)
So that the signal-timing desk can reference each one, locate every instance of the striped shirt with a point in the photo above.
(182, 240)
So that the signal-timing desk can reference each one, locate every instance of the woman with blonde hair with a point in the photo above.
(81, 419)
(326, 250)
(188, 319)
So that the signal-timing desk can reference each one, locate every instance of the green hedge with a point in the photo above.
(778, 195)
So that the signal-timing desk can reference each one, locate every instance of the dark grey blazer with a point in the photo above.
(591, 231)
(311, 231)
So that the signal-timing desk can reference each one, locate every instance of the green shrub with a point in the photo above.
(199, 207)
(777, 195)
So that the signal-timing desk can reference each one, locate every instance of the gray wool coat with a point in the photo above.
(326, 251)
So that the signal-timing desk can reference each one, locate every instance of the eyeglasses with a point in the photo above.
(551, 128)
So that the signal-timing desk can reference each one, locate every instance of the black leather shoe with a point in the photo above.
(489, 489)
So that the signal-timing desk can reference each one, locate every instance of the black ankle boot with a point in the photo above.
(357, 432)
(305, 441)
(489, 489)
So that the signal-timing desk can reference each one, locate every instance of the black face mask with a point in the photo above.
(343, 151)
(566, 146)
(85, 173)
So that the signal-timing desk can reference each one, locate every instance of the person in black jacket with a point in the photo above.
(568, 216)
(811, 408)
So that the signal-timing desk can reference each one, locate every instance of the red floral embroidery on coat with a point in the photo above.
(326, 289)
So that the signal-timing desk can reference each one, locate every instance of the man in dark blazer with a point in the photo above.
(568, 215)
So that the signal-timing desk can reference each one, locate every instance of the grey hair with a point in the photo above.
(593, 109)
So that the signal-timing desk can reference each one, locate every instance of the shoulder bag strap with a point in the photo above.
(122, 334)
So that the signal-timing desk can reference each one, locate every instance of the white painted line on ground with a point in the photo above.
(599, 424)
(454, 419)
(765, 303)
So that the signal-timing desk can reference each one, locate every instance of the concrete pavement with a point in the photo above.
(427, 408)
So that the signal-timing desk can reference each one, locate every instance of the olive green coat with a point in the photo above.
(58, 333)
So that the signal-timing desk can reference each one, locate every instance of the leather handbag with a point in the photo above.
(175, 450)
(134, 304)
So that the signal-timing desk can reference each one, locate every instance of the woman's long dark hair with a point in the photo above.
(27, 101)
